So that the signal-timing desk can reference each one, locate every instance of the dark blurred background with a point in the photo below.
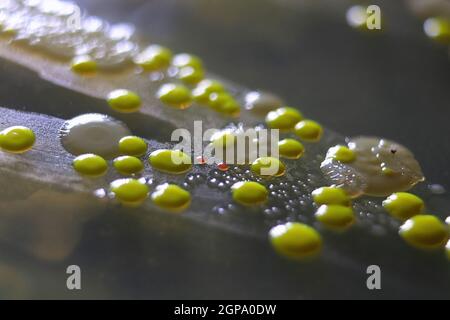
(393, 84)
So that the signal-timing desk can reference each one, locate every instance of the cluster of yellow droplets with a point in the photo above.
(189, 85)
(134, 189)
(419, 229)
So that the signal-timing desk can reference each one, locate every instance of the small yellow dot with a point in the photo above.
(387, 171)
(83, 65)
(295, 240)
(130, 192)
(128, 165)
(308, 130)
(331, 195)
(170, 161)
(335, 216)
(425, 232)
(268, 167)
(124, 101)
(403, 205)
(17, 139)
(187, 60)
(290, 149)
(90, 165)
(132, 146)
(154, 58)
(171, 197)
(283, 118)
(249, 193)
(341, 154)
(177, 96)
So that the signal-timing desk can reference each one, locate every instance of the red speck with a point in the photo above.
(201, 160)
(222, 166)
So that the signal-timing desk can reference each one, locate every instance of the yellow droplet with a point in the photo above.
(187, 60)
(190, 75)
(90, 165)
(130, 192)
(309, 130)
(341, 153)
(217, 99)
(231, 108)
(124, 101)
(387, 171)
(249, 193)
(357, 17)
(17, 139)
(438, 29)
(128, 165)
(268, 167)
(283, 118)
(83, 65)
(170, 161)
(223, 139)
(132, 146)
(171, 197)
(403, 205)
(290, 148)
(295, 240)
(224, 103)
(335, 216)
(205, 88)
(154, 58)
(177, 96)
(331, 195)
(425, 232)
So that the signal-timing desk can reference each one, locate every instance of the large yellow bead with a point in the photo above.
(335, 216)
(17, 139)
(290, 149)
(249, 193)
(128, 165)
(170, 161)
(341, 154)
(268, 167)
(308, 130)
(154, 58)
(283, 118)
(124, 101)
(403, 205)
(90, 165)
(171, 197)
(132, 146)
(130, 192)
(295, 240)
(424, 231)
(176, 96)
(331, 195)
